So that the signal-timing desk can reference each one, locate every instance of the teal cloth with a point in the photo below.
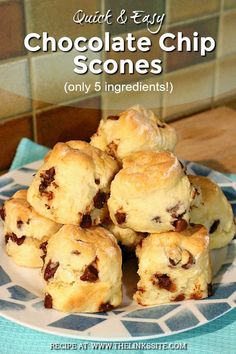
(215, 337)
(27, 152)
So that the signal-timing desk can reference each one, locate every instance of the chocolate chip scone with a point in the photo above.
(126, 237)
(212, 209)
(82, 270)
(72, 186)
(136, 129)
(151, 193)
(25, 230)
(174, 266)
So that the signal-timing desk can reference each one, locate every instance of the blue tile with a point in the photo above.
(223, 291)
(38, 305)
(218, 177)
(76, 322)
(229, 192)
(211, 311)
(154, 312)
(7, 305)
(139, 329)
(19, 293)
(231, 252)
(223, 269)
(182, 320)
(4, 278)
(117, 312)
(5, 181)
(16, 187)
(234, 208)
(200, 170)
(27, 170)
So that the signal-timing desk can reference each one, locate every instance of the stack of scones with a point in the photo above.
(125, 188)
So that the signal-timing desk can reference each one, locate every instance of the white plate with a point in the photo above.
(21, 289)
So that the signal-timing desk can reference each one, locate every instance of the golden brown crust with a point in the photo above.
(83, 269)
(72, 185)
(173, 266)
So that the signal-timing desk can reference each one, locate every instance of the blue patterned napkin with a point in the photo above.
(215, 337)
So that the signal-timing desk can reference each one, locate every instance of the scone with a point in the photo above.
(25, 230)
(151, 193)
(82, 270)
(174, 266)
(136, 129)
(126, 237)
(73, 184)
(212, 209)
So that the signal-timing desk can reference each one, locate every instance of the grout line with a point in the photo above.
(30, 71)
(218, 48)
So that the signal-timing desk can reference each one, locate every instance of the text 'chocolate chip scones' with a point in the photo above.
(151, 193)
(72, 186)
(136, 129)
(25, 230)
(82, 270)
(174, 266)
(212, 210)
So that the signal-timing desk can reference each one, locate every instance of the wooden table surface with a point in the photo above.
(209, 138)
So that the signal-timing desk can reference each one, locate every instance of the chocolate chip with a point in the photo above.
(173, 210)
(76, 252)
(179, 297)
(100, 200)
(112, 148)
(105, 307)
(163, 281)
(50, 270)
(120, 217)
(48, 195)
(191, 261)
(47, 177)
(214, 226)
(14, 238)
(43, 247)
(173, 263)
(2, 213)
(97, 180)
(180, 225)
(28, 222)
(86, 221)
(47, 206)
(156, 219)
(48, 301)
(90, 274)
(113, 117)
(19, 224)
(209, 289)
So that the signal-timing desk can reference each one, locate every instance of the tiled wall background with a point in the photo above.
(33, 103)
